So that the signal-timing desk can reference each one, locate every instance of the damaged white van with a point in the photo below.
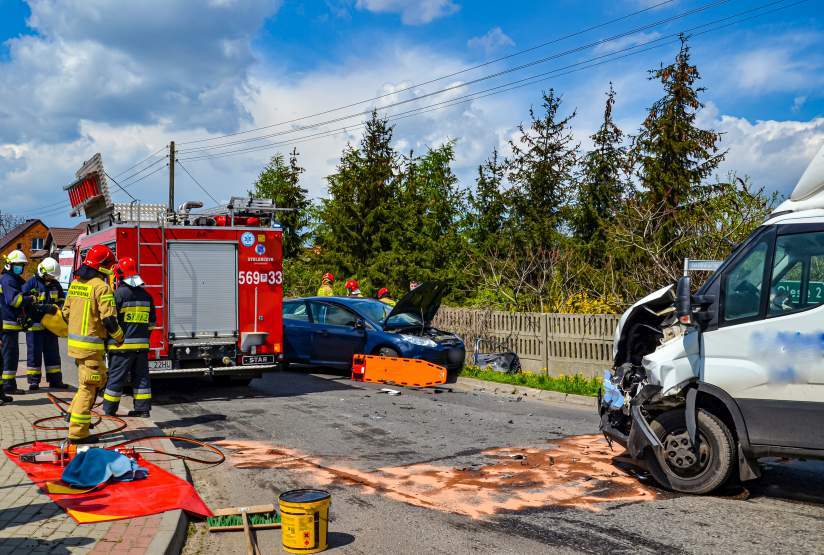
(703, 385)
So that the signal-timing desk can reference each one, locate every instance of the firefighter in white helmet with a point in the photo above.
(42, 344)
(12, 305)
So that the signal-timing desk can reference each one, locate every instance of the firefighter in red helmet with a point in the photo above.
(91, 315)
(352, 288)
(326, 285)
(129, 361)
(383, 296)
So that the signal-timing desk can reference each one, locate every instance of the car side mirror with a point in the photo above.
(360, 324)
(683, 305)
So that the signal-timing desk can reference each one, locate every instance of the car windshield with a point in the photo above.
(378, 311)
(374, 310)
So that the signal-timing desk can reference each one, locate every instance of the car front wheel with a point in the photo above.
(388, 352)
(682, 469)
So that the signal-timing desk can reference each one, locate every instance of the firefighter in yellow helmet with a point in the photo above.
(91, 315)
(326, 282)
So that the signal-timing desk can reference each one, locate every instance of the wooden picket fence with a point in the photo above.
(551, 343)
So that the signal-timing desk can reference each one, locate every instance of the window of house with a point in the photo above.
(37, 243)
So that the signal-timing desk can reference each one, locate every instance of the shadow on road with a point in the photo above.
(789, 479)
(273, 384)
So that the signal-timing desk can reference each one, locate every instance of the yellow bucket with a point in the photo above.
(304, 520)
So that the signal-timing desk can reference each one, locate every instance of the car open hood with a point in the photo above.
(423, 302)
(653, 302)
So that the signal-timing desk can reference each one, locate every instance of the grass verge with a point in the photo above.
(577, 384)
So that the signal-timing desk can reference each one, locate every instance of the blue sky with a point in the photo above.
(82, 76)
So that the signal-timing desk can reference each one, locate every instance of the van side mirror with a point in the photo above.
(683, 304)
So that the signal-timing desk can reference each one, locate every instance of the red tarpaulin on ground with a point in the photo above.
(158, 493)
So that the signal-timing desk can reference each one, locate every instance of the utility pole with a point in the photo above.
(171, 208)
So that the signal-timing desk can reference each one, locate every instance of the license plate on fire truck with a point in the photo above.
(160, 364)
(258, 359)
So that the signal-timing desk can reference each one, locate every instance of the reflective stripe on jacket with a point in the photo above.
(46, 292)
(136, 315)
(88, 303)
(11, 300)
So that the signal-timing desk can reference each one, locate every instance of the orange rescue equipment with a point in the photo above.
(400, 371)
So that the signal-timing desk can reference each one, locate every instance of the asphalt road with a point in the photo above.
(422, 472)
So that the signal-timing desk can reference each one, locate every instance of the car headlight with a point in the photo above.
(416, 340)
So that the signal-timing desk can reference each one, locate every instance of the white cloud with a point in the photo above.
(773, 153)
(624, 42)
(798, 103)
(127, 62)
(413, 12)
(495, 39)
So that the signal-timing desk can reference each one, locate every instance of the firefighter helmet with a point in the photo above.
(49, 268)
(328, 278)
(15, 257)
(352, 285)
(126, 270)
(383, 292)
(100, 258)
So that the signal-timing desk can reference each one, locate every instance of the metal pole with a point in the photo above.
(171, 177)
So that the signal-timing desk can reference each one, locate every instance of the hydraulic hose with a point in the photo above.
(121, 425)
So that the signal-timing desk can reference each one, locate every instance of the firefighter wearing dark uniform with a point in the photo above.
(12, 304)
(41, 343)
(130, 360)
(91, 316)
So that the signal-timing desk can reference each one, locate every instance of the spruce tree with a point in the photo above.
(602, 184)
(673, 155)
(280, 181)
(543, 161)
(487, 212)
(356, 220)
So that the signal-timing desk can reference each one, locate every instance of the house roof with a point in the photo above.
(65, 236)
(16, 232)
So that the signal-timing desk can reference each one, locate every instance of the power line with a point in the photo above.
(638, 29)
(521, 82)
(156, 152)
(145, 168)
(202, 188)
(119, 185)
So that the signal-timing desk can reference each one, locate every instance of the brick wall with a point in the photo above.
(37, 231)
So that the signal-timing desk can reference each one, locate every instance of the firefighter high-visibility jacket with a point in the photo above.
(91, 315)
(46, 292)
(12, 301)
(326, 290)
(136, 315)
(388, 301)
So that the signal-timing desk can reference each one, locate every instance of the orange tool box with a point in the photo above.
(400, 371)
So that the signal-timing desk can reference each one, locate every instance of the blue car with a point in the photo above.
(328, 331)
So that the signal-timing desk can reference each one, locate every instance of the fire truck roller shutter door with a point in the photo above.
(202, 289)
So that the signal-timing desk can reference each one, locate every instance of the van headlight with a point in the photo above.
(420, 341)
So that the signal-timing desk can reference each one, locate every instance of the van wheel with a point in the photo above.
(388, 352)
(680, 469)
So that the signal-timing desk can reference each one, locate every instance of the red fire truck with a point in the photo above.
(216, 276)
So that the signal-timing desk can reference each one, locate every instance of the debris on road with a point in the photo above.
(390, 391)
(576, 471)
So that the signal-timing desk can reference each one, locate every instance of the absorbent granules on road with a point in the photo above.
(576, 471)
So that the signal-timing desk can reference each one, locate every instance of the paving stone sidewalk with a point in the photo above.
(31, 523)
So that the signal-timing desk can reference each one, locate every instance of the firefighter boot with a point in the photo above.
(91, 375)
